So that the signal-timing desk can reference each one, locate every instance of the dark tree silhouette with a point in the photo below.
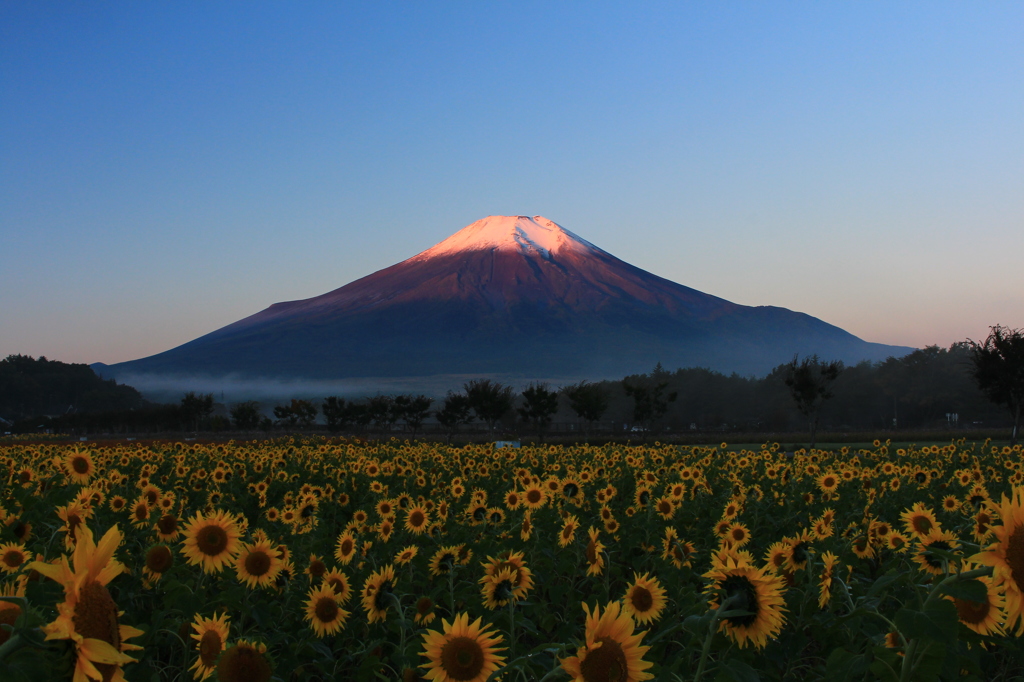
(588, 401)
(196, 408)
(300, 413)
(455, 412)
(650, 402)
(490, 400)
(810, 384)
(337, 413)
(413, 410)
(999, 370)
(246, 415)
(540, 404)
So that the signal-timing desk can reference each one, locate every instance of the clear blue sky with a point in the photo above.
(168, 168)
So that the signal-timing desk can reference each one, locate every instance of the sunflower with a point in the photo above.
(324, 612)
(919, 521)
(751, 589)
(928, 559)
(498, 589)
(464, 651)
(775, 559)
(568, 533)
(258, 564)
(611, 650)
(244, 661)
(167, 528)
(985, 617)
(88, 615)
(644, 600)
(675, 550)
(534, 497)
(345, 549)
(12, 557)
(376, 589)
(522, 577)
(316, 567)
(73, 514)
(159, 560)
(140, 513)
(424, 611)
(738, 534)
(210, 635)
(797, 554)
(594, 553)
(829, 562)
(444, 560)
(407, 555)
(417, 519)
(1006, 556)
(9, 611)
(211, 541)
(526, 527)
(339, 583)
(79, 466)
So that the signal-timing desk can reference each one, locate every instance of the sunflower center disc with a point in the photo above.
(167, 524)
(326, 610)
(209, 648)
(257, 563)
(972, 612)
(606, 663)
(96, 618)
(462, 658)
(641, 599)
(212, 540)
(159, 559)
(739, 585)
(13, 559)
(80, 465)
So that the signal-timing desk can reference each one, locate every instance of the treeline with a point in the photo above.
(931, 388)
(31, 387)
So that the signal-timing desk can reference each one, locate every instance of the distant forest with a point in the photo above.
(931, 388)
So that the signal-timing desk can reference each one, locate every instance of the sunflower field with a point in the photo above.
(314, 559)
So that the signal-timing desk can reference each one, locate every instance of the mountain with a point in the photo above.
(512, 296)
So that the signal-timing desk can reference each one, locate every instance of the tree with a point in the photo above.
(300, 413)
(336, 413)
(649, 401)
(540, 404)
(455, 412)
(810, 384)
(413, 410)
(246, 416)
(588, 401)
(999, 370)
(381, 411)
(490, 400)
(196, 408)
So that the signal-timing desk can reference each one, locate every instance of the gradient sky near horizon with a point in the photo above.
(169, 168)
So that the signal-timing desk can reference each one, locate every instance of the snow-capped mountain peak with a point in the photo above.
(510, 233)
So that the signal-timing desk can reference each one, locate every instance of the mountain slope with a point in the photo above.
(507, 295)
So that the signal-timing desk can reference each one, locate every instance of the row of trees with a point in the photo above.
(929, 388)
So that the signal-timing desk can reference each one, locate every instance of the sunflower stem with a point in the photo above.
(512, 627)
(908, 666)
(712, 628)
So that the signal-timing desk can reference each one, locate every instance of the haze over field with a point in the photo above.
(166, 171)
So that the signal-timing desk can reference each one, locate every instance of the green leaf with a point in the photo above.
(968, 590)
(916, 625)
(734, 670)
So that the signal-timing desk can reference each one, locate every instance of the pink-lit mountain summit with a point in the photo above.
(507, 295)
